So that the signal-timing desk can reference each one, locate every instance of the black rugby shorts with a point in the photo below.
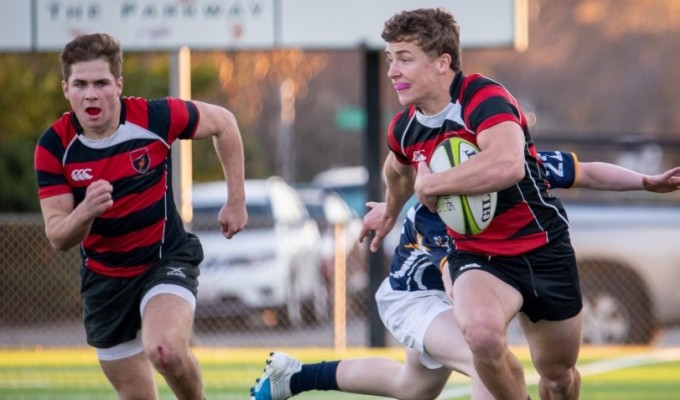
(111, 305)
(546, 277)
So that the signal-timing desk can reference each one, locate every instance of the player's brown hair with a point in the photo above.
(433, 29)
(92, 47)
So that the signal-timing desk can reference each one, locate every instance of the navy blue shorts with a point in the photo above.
(111, 305)
(547, 277)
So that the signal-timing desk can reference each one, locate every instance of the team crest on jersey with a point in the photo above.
(140, 159)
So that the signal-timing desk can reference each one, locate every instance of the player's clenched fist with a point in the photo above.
(98, 198)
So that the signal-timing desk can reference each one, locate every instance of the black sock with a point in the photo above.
(319, 376)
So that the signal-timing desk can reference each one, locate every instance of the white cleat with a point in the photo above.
(274, 384)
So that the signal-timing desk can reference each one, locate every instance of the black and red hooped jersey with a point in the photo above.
(143, 223)
(527, 214)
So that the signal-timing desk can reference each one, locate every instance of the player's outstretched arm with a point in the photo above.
(666, 182)
(606, 176)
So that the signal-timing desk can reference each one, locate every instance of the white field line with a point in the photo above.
(593, 368)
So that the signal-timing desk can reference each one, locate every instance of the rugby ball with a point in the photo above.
(466, 215)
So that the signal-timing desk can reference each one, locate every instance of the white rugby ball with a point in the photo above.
(466, 215)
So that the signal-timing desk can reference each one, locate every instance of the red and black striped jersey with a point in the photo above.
(143, 223)
(527, 214)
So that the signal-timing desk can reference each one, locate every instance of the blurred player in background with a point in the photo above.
(104, 182)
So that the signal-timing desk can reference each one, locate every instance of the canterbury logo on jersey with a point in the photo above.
(419, 155)
(84, 174)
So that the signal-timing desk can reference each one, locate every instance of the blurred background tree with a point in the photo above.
(31, 99)
(250, 84)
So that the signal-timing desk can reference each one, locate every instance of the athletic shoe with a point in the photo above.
(275, 382)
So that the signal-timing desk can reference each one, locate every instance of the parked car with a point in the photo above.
(350, 183)
(330, 211)
(628, 258)
(273, 264)
(629, 264)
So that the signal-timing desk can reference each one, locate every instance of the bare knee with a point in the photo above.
(485, 340)
(564, 383)
(166, 359)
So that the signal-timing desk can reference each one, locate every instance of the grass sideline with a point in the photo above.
(620, 373)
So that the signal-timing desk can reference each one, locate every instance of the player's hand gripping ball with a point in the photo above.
(466, 215)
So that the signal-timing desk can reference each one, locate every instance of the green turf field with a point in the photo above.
(619, 373)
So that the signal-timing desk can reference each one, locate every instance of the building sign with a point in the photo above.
(15, 25)
(165, 24)
(46, 25)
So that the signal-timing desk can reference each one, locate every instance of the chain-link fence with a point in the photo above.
(629, 290)
(40, 303)
(38, 286)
